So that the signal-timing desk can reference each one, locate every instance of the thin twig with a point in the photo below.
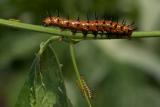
(72, 52)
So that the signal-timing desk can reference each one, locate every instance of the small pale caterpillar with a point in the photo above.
(85, 88)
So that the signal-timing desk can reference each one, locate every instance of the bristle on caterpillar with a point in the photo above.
(101, 27)
(85, 88)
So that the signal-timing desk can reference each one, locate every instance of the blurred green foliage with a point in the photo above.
(123, 72)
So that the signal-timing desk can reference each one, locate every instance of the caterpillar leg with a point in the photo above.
(95, 34)
(74, 32)
(85, 34)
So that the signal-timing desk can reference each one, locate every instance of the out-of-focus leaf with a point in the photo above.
(44, 86)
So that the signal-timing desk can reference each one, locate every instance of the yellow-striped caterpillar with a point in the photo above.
(85, 88)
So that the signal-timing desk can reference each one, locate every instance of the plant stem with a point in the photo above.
(72, 52)
(44, 44)
(58, 32)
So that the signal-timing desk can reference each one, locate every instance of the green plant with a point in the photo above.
(45, 83)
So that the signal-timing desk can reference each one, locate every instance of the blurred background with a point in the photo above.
(122, 73)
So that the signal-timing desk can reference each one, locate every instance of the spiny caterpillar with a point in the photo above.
(84, 88)
(102, 27)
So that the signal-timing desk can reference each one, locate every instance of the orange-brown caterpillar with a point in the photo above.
(85, 88)
(107, 27)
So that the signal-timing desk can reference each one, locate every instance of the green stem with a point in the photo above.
(58, 32)
(72, 51)
(44, 44)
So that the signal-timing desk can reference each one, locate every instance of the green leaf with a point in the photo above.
(44, 86)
